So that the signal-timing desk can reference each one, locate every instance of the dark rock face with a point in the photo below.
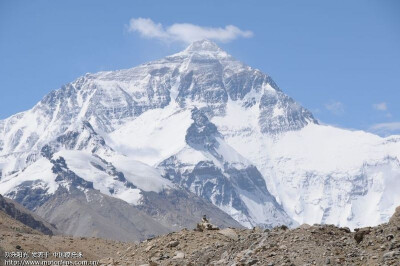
(201, 134)
(64, 174)
(396, 217)
(47, 151)
(207, 181)
(30, 194)
(249, 178)
(359, 235)
(280, 113)
(111, 170)
(34, 193)
(203, 82)
(239, 84)
(83, 138)
(24, 217)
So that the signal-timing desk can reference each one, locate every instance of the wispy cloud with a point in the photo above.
(380, 106)
(185, 32)
(386, 129)
(335, 107)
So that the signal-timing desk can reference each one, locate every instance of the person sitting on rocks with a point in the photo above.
(205, 225)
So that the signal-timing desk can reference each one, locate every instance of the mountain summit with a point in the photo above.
(197, 131)
(202, 46)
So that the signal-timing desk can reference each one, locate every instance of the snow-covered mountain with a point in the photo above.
(203, 123)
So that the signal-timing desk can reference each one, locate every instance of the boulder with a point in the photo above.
(396, 217)
(173, 244)
(230, 233)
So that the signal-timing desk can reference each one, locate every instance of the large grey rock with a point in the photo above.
(230, 233)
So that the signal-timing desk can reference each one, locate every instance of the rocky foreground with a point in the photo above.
(209, 245)
(306, 245)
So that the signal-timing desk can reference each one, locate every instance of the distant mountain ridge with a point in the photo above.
(203, 124)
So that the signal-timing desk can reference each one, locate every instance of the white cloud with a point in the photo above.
(185, 32)
(335, 107)
(386, 129)
(380, 106)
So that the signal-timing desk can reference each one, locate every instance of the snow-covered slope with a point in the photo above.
(200, 121)
(153, 136)
(320, 174)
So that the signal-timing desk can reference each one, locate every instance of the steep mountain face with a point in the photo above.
(196, 125)
(222, 176)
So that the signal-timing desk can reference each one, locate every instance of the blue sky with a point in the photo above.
(340, 59)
